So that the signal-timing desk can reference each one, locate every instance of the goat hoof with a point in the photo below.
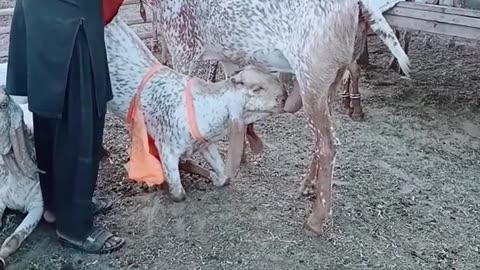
(179, 196)
(314, 223)
(357, 116)
(312, 230)
(3, 264)
(227, 182)
(221, 183)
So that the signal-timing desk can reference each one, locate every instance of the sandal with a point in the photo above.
(96, 242)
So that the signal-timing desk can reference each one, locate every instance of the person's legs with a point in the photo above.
(78, 139)
(43, 138)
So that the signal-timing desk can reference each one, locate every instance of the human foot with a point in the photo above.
(99, 205)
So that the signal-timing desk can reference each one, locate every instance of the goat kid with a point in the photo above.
(19, 181)
(317, 46)
(249, 95)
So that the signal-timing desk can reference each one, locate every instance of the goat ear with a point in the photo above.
(235, 148)
(22, 148)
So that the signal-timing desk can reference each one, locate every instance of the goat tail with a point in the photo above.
(380, 26)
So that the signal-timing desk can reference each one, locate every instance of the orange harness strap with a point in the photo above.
(191, 115)
(135, 102)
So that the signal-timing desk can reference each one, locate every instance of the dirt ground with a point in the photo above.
(407, 193)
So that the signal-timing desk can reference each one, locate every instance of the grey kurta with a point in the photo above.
(41, 43)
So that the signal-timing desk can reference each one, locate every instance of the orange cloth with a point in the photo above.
(145, 164)
(110, 9)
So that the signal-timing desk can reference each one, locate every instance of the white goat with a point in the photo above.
(249, 95)
(19, 181)
(314, 39)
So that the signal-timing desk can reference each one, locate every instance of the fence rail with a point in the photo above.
(8, 12)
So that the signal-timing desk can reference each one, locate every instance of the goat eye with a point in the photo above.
(258, 89)
(3, 105)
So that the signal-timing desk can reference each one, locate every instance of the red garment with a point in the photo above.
(110, 9)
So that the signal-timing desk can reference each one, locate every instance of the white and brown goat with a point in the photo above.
(19, 181)
(313, 39)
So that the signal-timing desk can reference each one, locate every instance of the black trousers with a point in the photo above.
(68, 149)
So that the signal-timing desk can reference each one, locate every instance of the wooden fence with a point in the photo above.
(8, 12)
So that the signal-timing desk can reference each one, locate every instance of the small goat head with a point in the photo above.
(16, 148)
(265, 91)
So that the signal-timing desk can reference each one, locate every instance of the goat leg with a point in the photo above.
(13, 242)
(244, 155)
(321, 172)
(3, 207)
(357, 111)
(212, 156)
(212, 73)
(191, 167)
(323, 162)
(345, 95)
(255, 142)
(364, 59)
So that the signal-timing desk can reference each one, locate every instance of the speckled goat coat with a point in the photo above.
(250, 95)
(19, 181)
(314, 39)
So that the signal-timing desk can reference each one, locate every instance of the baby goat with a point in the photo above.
(249, 95)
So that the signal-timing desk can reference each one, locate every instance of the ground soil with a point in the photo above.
(406, 194)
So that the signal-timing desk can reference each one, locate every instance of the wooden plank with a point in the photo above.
(414, 24)
(137, 21)
(130, 2)
(435, 16)
(145, 35)
(4, 30)
(6, 12)
(440, 9)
